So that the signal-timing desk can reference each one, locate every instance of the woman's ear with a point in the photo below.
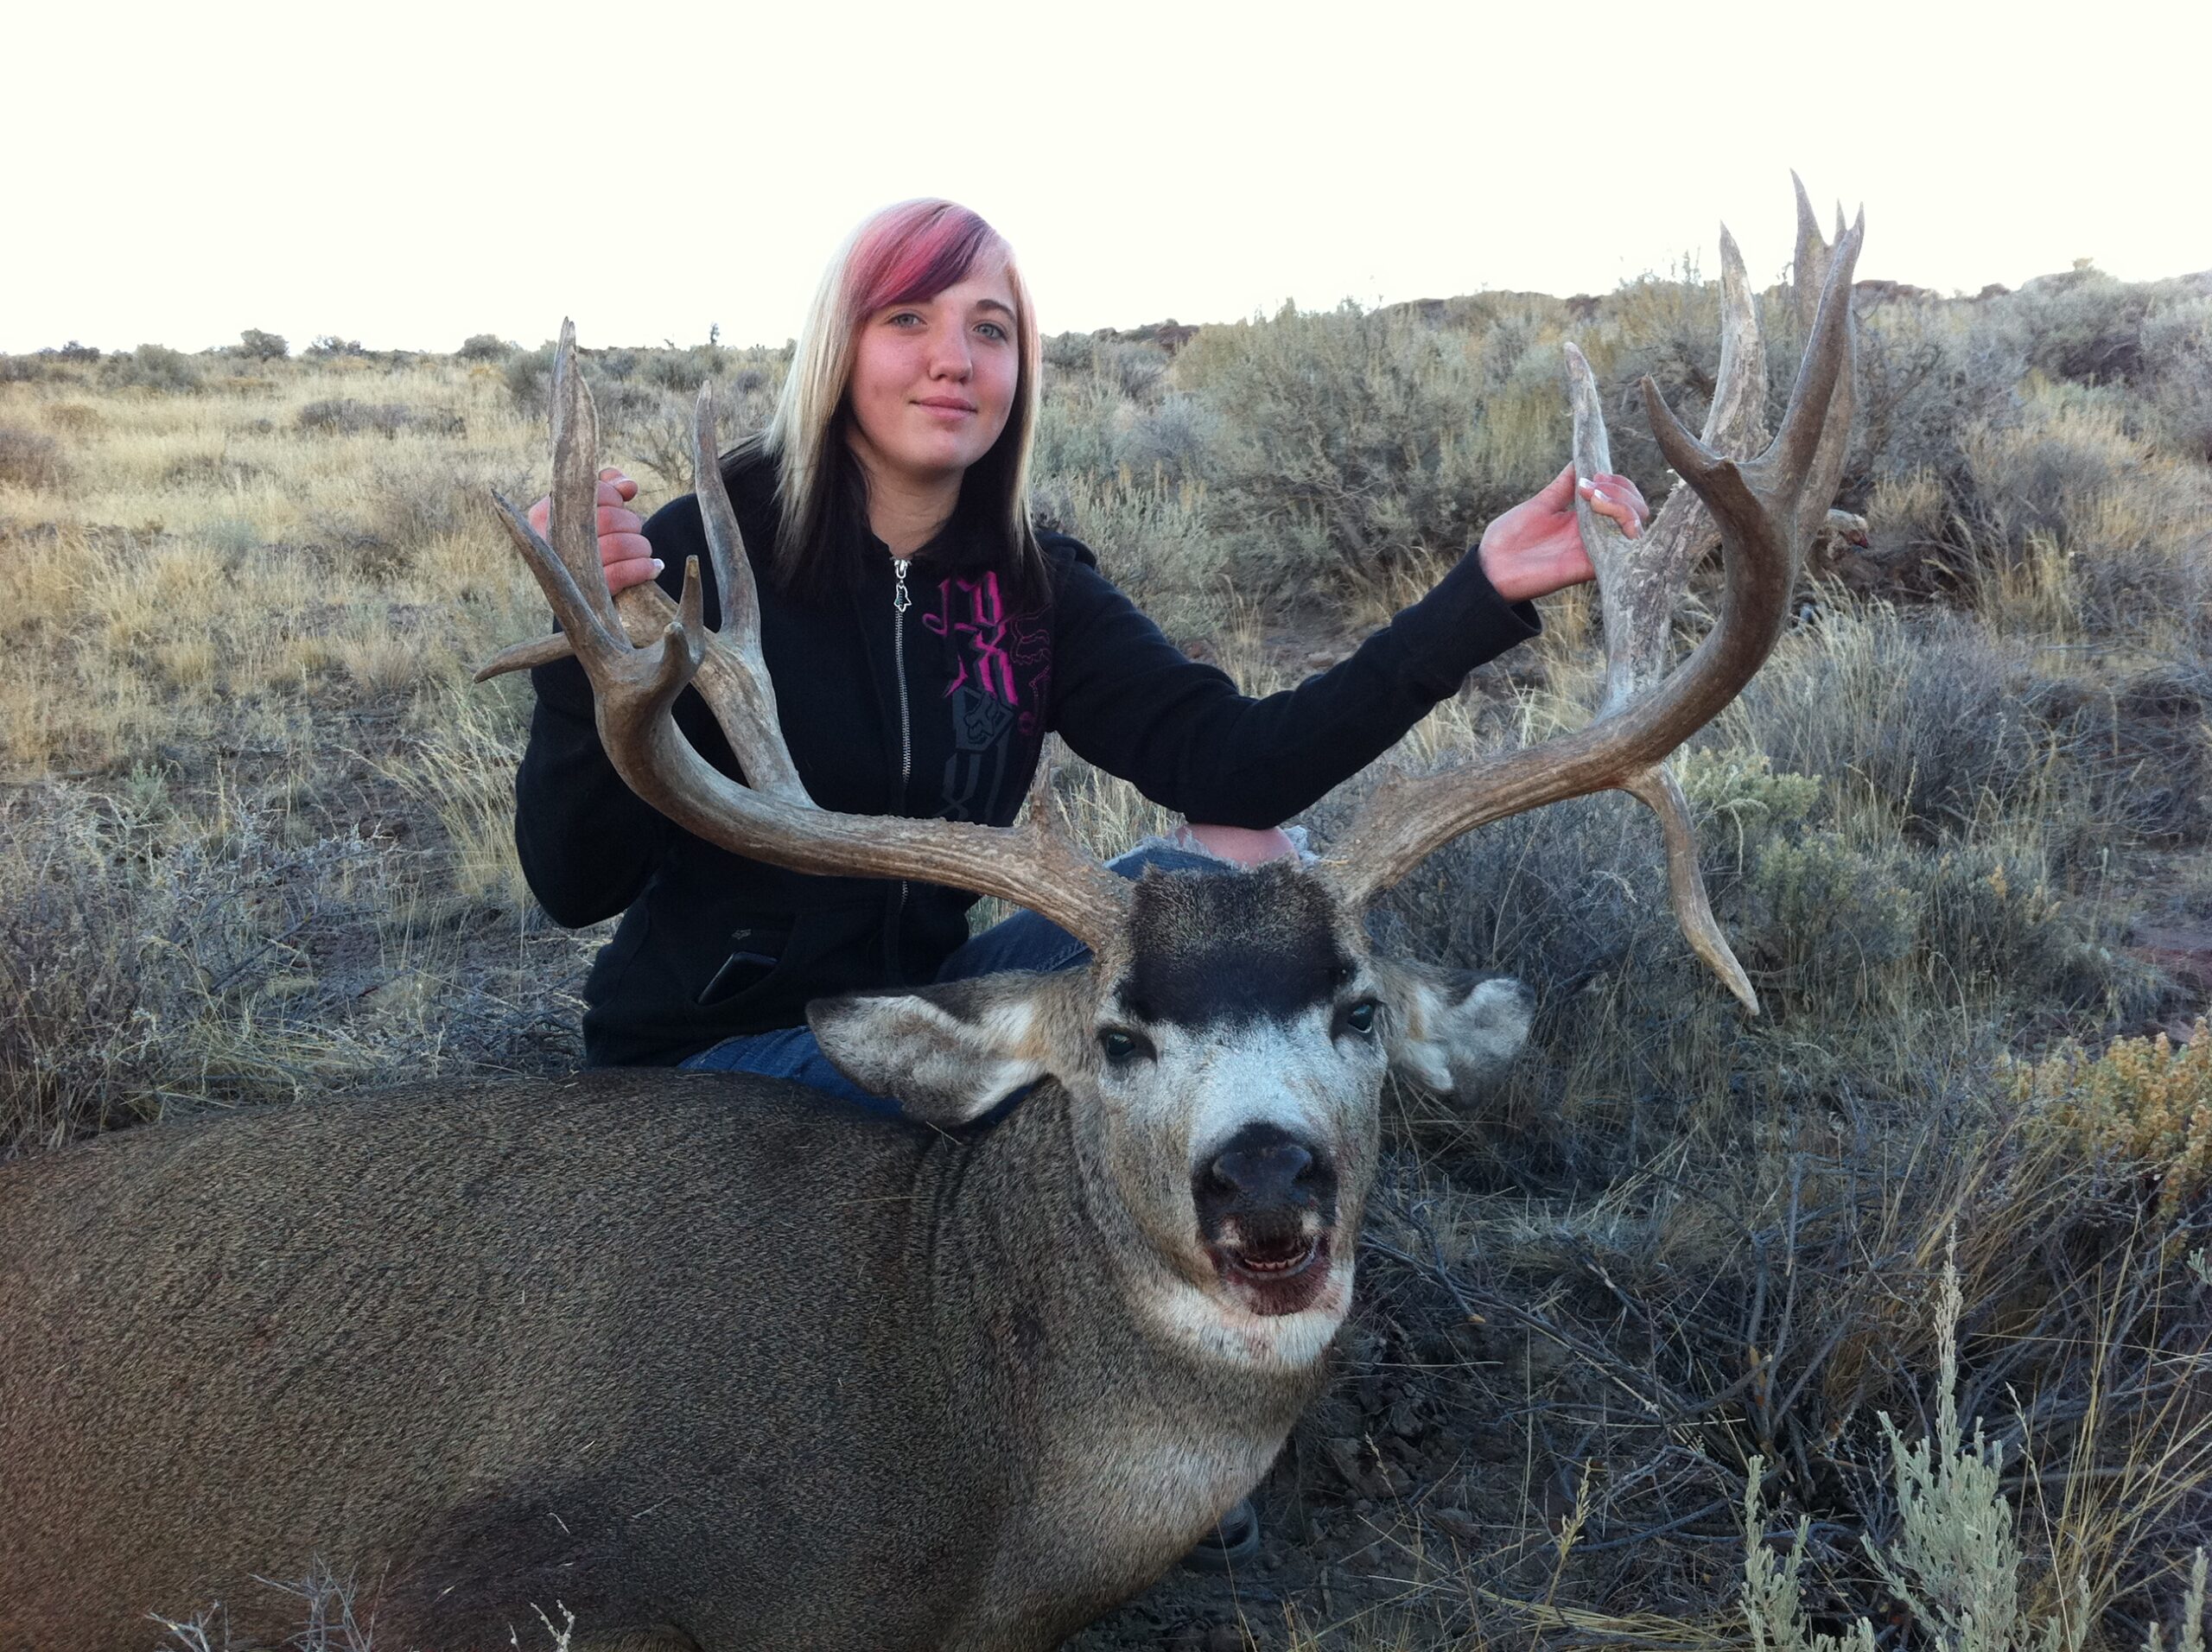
(947, 1054)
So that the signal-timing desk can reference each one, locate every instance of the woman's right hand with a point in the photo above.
(625, 555)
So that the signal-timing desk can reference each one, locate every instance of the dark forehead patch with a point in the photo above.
(1214, 947)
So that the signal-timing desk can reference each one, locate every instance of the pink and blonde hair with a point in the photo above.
(903, 254)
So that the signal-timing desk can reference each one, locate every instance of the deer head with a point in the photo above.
(1224, 1054)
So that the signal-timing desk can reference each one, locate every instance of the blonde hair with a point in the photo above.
(904, 253)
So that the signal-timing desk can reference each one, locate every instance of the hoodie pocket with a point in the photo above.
(755, 954)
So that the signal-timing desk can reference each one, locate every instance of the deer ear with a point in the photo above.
(1452, 1031)
(947, 1054)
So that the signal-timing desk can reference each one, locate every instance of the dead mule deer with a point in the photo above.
(713, 1364)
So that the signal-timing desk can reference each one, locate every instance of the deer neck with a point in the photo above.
(1028, 1237)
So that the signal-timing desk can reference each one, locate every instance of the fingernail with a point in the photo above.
(659, 564)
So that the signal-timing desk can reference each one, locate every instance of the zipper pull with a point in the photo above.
(900, 601)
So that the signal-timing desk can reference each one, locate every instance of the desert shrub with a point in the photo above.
(2068, 507)
(2178, 375)
(1170, 440)
(112, 952)
(1152, 539)
(1350, 440)
(1955, 736)
(330, 345)
(262, 347)
(1075, 432)
(1068, 352)
(1133, 370)
(29, 459)
(2082, 324)
(657, 426)
(1926, 718)
(2046, 474)
(1669, 328)
(2137, 758)
(153, 366)
(344, 417)
(528, 375)
(1956, 1558)
(485, 346)
(209, 470)
(2144, 1105)
(683, 368)
(380, 532)
(21, 370)
(1929, 373)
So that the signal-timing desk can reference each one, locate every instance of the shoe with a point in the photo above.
(1233, 1542)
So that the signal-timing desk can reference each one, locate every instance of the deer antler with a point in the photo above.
(641, 650)
(1762, 509)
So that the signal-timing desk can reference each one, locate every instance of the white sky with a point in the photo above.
(410, 173)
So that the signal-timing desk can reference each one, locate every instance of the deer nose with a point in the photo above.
(1268, 1175)
(1263, 1167)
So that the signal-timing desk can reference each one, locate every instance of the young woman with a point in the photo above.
(924, 637)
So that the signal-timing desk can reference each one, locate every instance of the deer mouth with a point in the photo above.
(1274, 1273)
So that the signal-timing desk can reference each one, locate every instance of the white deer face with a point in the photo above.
(1223, 1058)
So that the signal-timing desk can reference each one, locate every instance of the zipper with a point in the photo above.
(900, 601)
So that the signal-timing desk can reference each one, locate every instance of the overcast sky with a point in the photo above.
(410, 174)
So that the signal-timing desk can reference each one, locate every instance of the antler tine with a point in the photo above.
(1642, 581)
(635, 686)
(736, 686)
(1811, 424)
(567, 567)
(573, 528)
(740, 603)
(574, 523)
(1815, 263)
(1756, 507)
(1809, 269)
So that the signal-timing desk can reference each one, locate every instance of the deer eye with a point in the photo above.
(1121, 1046)
(1360, 1018)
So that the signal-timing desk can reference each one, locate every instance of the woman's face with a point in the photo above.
(934, 380)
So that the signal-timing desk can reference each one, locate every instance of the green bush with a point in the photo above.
(2178, 374)
(262, 347)
(155, 367)
(485, 346)
(1352, 440)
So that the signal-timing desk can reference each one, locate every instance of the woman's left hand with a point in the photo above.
(1536, 548)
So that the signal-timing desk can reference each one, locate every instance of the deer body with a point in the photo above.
(704, 1355)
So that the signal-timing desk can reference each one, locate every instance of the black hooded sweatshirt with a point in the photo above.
(938, 709)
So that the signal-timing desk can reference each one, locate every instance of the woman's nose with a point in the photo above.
(950, 357)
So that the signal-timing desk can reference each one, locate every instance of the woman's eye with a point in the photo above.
(993, 330)
(1360, 1018)
(903, 318)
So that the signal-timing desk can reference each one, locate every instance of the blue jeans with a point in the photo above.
(1024, 941)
